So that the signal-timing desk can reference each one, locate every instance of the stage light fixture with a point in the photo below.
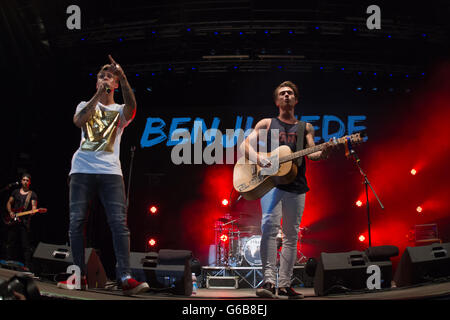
(224, 238)
(413, 172)
(359, 203)
(419, 209)
(152, 242)
(224, 202)
(361, 238)
(153, 210)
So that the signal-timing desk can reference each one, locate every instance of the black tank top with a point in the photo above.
(288, 136)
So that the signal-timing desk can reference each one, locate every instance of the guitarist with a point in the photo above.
(285, 201)
(19, 232)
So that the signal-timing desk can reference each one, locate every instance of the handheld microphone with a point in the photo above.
(108, 90)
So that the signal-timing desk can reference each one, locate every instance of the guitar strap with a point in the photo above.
(300, 139)
(27, 201)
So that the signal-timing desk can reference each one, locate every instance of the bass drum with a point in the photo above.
(251, 251)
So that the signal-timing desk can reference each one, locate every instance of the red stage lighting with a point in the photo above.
(224, 202)
(224, 238)
(153, 210)
(419, 209)
(413, 172)
(359, 203)
(151, 242)
(361, 238)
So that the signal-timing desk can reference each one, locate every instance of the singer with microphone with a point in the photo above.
(96, 169)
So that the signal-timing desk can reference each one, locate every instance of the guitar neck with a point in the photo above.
(25, 213)
(302, 153)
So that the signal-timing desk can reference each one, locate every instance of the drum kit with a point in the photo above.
(238, 244)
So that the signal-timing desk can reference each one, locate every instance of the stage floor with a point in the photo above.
(438, 290)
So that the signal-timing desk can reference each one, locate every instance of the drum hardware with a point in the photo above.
(242, 245)
(301, 258)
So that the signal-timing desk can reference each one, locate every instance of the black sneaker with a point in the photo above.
(267, 290)
(288, 293)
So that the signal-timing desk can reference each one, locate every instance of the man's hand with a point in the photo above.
(116, 69)
(102, 87)
(329, 147)
(12, 215)
(263, 162)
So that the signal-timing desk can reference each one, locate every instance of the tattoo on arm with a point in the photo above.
(310, 141)
(128, 98)
(81, 117)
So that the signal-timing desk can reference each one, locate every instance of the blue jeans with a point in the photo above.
(111, 191)
(277, 204)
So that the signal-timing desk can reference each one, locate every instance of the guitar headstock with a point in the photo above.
(355, 138)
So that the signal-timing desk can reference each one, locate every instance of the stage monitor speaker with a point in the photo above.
(167, 269)
(423, 264)
(347, 271)
(49, 260)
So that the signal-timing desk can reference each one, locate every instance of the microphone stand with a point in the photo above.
(366, 183)
(9, 186)
(133, 148)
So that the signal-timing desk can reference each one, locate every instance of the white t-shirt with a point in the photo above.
(99, 150)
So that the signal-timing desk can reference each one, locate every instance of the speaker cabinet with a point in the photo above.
(167, 269)
(346, 271)
(423, 264)
(50, 260)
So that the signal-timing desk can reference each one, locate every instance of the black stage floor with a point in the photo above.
(434, 291)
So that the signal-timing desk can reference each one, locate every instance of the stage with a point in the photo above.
(438, 290)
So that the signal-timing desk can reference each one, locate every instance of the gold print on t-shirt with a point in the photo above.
(100, 131)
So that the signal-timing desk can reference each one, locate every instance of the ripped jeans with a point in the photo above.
(275, 205)
(111, 191)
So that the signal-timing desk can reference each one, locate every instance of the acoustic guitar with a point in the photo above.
(253, 181)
